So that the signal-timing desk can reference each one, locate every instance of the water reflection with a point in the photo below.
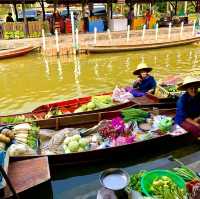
(77, 73)
(47, 71)
(59, 68)
(37, 80)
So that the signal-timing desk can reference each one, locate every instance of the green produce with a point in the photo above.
(171, 88)
(134, 115)
(76, 138)
(83, 143)
(53, 112)
(97, 102)
(75, 144)
(185, 172)
(165, 125)
(13, 120)
(164, 188)
(27, 134)
(135, 181)
(32, 137)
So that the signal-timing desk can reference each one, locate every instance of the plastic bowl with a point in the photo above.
(149, 177)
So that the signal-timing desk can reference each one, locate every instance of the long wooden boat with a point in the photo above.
(120, 48)
(69, 106)
(136, 149)
(15, 52)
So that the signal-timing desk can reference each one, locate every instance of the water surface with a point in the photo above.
(29, 81)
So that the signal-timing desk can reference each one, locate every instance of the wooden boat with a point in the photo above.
(69, 106)
(120, 48)
(136, 149)
(15, 52)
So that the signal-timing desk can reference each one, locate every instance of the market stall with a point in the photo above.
(17, 30)
(138, 22)
(118, 24)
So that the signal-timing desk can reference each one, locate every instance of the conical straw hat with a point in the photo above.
(188, 82)
(140, 67)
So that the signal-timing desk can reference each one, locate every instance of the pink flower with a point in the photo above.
(118, 124)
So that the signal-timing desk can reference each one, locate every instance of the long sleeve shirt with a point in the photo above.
(187, 107)
(146, 84)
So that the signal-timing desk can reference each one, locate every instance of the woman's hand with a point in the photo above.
(138, 80)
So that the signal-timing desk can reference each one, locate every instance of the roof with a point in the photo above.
(79, 1)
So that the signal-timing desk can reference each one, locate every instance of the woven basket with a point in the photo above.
(162, 92)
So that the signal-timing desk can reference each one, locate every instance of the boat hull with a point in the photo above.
(72, 105)
(16, 52)
(138, 149)
(121, 48)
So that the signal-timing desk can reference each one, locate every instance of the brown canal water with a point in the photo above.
(29, 81)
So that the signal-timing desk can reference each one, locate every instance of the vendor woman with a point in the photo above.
(188, 106)
(145, 82)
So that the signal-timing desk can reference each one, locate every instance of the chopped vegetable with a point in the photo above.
(164, 188)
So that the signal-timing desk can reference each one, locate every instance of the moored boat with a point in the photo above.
(69, 107)
(137, 149)
(120, 48)
(15, 52)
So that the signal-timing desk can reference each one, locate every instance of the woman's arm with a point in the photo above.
(191, 121)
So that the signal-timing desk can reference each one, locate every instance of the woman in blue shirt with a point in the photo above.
(145, 82)
(188, 106)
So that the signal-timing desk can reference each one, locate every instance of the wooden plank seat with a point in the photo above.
(27, 174)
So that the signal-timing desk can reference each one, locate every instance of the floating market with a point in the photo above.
(100, 99)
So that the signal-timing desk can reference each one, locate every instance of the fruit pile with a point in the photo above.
(75, 144)
(14, 34)
(97, 102)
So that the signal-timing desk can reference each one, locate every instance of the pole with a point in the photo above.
(95, 35)
(43, 40)
(156, 32)
(128, 33)
(185, 7)
(143, 32)
(43, 10)
(68, 10)
(181, 32)
(16, 13)
(193, 29)
(25, 20)
(169, 30)
(73, 34)
(111, 10)
(77, 42)
(109, 35)
(57, 44)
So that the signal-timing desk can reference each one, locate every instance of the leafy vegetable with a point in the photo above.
(185, 172)
(14, 120)
(135, 181)
(165, 125)
(134, 115)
